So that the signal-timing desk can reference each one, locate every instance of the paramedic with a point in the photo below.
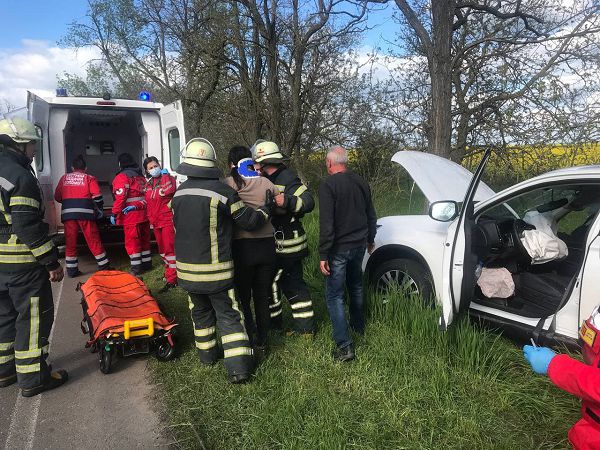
(347, 228)
(28, 263)
(253, 251)
(205, 210)
(159, 193)
(129, 210)
(577, 378)
(82, 204)
(294, 201)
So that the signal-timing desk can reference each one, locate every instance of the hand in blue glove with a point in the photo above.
(539, 358)
(128, 209)
(113, 220)
(164, 172)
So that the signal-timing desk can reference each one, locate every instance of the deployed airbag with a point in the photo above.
(542, 244)
(496, 283)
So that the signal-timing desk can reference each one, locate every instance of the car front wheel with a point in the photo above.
(406, 276)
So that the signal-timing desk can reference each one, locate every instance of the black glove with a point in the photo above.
(270, 201)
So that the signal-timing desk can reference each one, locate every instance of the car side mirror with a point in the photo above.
(444, 211)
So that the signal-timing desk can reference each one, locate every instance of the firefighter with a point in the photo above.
(82, 205)
(129, 210)
(577, 378)
(205, 211)
(28, 263)
(159, 192)
(293, 203)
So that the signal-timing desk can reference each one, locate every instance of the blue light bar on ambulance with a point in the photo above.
(145, 96)
(61, 92)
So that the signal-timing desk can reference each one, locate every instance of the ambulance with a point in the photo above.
(100, 129)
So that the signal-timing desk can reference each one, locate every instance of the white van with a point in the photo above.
(100, 129)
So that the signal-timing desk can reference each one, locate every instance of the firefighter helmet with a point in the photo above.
(267, 152)
(199, 159)
(18, 130)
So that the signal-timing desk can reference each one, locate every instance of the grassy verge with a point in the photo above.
(410, 387)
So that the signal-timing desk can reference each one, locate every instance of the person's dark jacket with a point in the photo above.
(346, 214)
(24, 240)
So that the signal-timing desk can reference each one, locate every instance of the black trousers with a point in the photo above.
(289, 280)
(26, 318)
(220, 311)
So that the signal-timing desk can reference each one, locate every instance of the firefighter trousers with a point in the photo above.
(26, 317)
(137, 245)
(90, 232)
(220, 312)
(165, 239)
(289, 281)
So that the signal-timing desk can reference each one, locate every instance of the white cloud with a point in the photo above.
(35, 65)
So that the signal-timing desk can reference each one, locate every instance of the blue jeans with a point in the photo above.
(345, 270)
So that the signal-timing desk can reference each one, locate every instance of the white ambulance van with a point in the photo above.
(100, 129)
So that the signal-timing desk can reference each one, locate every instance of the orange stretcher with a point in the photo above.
(122, 318)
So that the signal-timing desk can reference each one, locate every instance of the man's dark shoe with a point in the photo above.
(344, 354)
(239, 378)
(7, 380)
(56, 379)
(105, 268)
(74, 274)
(167, 287)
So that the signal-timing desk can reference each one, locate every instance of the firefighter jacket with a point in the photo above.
(24, 240)
(128, 189)
(205, 211)
(583, 381)
(159, 192)
(290, 236)
(80, 196)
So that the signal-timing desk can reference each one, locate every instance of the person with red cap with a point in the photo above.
(129, 210)
(160, 189)
(577, 378)
(82, 204)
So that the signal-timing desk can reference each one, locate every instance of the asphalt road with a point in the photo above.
(91, 410)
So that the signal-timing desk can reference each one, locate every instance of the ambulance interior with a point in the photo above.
(100, 136)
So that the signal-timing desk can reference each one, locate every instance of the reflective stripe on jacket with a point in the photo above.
(205, 211)
(80, 196)
(24, 240)
(290, 236)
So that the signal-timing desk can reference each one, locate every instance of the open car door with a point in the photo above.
(173, 136)
(459, 262)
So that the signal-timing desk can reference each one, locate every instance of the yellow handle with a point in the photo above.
(141, 327)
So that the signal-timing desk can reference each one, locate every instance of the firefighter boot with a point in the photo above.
(7, 380)
(56, 379)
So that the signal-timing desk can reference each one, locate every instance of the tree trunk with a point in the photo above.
(440, 67)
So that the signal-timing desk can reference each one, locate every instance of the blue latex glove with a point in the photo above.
(164, 172)
(128, 209)
(539, 358)
(113, 220)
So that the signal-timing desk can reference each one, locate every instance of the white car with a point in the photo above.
(469, 226)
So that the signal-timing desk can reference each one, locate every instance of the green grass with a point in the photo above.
(411, 387)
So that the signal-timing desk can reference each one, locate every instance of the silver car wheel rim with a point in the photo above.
(397, 279)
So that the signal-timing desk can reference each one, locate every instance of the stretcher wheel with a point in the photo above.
(105, 360)
(165, 352)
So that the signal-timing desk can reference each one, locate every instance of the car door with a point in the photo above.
(173, 136)
(459, 263)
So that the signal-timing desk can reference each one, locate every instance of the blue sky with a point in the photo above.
(31, 57)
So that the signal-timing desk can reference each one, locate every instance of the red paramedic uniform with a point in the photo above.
(159, 193)
(128, 189)
(81, 200)
(582, 380)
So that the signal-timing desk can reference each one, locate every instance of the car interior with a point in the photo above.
(539, 288)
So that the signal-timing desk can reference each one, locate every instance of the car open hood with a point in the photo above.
(439, 178)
